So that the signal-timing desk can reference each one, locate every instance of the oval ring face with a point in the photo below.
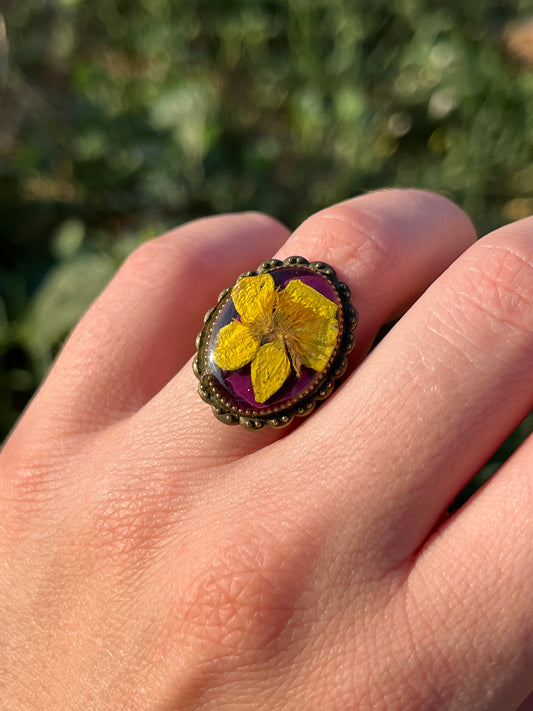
(275, 343)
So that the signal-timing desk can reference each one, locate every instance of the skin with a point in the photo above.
(154, 559)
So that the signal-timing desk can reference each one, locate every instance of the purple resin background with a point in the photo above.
(237, 384)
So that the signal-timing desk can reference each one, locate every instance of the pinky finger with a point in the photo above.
(478, 571)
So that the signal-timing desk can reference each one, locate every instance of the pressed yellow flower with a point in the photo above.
(278, 328)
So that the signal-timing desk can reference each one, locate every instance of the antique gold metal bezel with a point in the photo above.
(279, 416)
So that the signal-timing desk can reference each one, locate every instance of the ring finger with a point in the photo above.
(388, 246)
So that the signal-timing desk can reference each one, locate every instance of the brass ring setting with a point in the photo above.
(276, 343)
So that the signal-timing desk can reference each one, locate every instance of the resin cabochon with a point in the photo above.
(235, 387)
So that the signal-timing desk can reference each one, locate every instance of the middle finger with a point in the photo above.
(431, 403)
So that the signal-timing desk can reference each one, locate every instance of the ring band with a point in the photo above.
(275, 344)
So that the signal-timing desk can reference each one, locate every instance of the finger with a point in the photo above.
(142, 328)
(442, 391)
(474, 578)
(387, 246)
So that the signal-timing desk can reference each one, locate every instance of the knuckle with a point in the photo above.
(30, 471)
(243, 598)
(198, 247)
(127, 528)
(500, 283)
(189, 247)
(156, 254)
(353, 237)
(266, 221)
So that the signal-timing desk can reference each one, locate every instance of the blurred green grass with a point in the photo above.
(122, 118)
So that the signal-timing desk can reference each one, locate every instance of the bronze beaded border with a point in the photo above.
(306, 402)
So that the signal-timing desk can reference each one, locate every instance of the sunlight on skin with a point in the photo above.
(154, 559)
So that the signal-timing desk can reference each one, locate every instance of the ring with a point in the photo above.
(275, 344)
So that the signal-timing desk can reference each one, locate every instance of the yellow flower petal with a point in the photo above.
(307, 320)
(270, 369)
(254, 298)
(235, 346)
(296, 292)
(315, 342)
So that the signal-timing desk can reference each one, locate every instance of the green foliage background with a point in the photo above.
(121, 118)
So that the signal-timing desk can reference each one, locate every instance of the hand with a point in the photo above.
(154, 559)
